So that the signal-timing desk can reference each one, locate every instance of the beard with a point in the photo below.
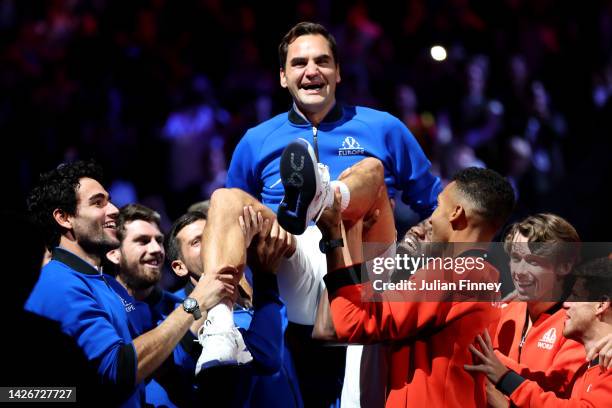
(99, 243)
(136, 278)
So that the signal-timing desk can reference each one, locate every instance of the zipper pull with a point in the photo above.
(315, 143)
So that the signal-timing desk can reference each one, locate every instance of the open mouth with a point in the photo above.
(312, 87)
(154, 263)
(411, 243)
(110, 224)
(524, 286)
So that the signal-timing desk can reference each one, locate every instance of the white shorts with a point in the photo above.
(300, 283)
(300, 278)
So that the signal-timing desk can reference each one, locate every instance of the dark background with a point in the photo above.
(159, 92)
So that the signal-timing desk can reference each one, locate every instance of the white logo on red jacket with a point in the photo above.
(548, 339)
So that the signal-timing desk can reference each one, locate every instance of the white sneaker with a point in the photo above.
(243, 354)
(307, 187)
(221, 348)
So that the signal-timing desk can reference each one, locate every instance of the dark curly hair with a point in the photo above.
(57, 190)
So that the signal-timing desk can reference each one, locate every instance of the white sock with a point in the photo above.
(344, 191)
(222, 316)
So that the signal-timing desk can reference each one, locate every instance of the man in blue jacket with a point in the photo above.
(183, 243)
(78, 220)
(360, 148)
(138, 264)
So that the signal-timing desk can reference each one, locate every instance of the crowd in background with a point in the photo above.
(159, 92)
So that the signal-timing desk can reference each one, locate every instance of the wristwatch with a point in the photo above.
(326, 245)
(190, 305)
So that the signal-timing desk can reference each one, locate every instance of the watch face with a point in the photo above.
(322, 246)
(190, 303)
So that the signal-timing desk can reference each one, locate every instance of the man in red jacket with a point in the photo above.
(543, 249)
(427, 337)
(588, 321)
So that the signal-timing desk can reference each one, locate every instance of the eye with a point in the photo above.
(196, 242)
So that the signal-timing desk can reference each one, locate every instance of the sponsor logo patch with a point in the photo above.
(350, 147)
(548, 339)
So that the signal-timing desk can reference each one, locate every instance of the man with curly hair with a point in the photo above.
(79, 226)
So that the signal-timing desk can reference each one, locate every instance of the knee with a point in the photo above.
(374, 169)
(224, 200)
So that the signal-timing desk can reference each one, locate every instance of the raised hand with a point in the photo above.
(250, 223)
(603, 348)
(212, 288)
(272, 243)
(491, 366)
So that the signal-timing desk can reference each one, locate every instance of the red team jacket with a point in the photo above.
(546, 355)
(429, 339)
(593, 389)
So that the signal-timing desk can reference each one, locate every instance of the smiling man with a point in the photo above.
(138, 263)
(78, 222)
(140, 255)
(588, 321)
(427, 333)
(543, 249)
(360, 149)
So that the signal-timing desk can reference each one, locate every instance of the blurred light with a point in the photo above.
(438, 53)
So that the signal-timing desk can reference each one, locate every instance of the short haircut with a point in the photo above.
(305, 28)
(201, 206)
(134, 212)
(551, 229)
(173, 250)
(597, 275)
(57, 189)
(490, 194)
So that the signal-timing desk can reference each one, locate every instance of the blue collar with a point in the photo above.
(73, 261)
(334, 115)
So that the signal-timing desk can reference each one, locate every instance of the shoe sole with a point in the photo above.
(299, 178)
(217, 363)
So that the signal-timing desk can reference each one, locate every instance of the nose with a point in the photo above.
(418, 231)
(311, 69)
(111, 210)
(520, 268)
(155, 247)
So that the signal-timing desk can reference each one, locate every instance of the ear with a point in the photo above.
(179, 268)
(283, 78)
(603, 306)
(457, 214)
(62, 218)
(564, 269)
(114, 255)
(338, 78)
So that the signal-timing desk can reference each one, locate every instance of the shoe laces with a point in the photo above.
(325, 190)
(201, 334)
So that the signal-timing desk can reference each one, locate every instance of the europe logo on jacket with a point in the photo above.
(350, 147)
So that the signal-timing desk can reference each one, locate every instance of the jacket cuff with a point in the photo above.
(190, 345)
(126, 366)
(265, 288)
(343, 277)
(509, 382)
